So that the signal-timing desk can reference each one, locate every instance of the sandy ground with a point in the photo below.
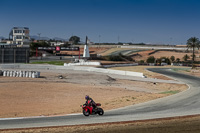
(51, 95)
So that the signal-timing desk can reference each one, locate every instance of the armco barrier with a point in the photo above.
(77, 68)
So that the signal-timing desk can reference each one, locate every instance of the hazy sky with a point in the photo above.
(148, 21)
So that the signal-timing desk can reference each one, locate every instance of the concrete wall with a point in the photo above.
(77, 68)
(120, 65)
(83, 63)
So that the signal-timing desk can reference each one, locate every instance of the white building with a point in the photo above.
(56, 43)
(20, 35)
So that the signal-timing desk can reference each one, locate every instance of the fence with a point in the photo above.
(14, 55)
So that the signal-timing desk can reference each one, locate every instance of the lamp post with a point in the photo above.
(99, 39)
(39, 35)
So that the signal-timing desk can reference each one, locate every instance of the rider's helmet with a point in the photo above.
(86, 97)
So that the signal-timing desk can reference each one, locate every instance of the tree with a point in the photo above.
(177, 60)
(186, 57)
(35, 45)
(193, 43)
(164, 60)
(74, 39)
(141, 61)
(151, 59)
(172, 58)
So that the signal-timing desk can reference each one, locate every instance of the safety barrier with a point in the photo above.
(120, 65)
(27, 74)
(79, 68)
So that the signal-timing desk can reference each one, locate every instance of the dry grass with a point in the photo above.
(110, 51)
(143, 55)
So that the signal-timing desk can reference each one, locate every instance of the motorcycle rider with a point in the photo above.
(90, 102)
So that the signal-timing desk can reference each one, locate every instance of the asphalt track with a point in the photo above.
(181, 104)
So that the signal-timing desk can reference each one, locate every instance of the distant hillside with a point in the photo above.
(47, 38)
(39, 38)
(60, 39)
(1, 37)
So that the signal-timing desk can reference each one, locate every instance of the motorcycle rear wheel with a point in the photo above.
(100, 111)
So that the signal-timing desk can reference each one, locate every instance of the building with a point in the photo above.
(20, 36)
(56, 43)
(2, 44)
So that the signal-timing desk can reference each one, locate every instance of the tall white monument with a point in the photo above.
(86, 53)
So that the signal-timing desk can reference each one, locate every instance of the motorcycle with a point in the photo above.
(88, 110)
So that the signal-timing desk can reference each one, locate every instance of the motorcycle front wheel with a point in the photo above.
(86, 112)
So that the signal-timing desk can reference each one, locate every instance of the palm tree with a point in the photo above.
(193, 43)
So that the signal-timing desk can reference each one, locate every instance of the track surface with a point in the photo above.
(184, 103)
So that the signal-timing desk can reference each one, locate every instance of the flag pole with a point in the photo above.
(36, 52)
(79, 53)
(86, 40)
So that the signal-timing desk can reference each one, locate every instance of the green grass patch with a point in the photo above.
(61, 63)
(181, 69)
(133, 98)
(170, 92)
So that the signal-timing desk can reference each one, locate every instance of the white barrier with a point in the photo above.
(109, 71)
(20, 74)
(128, 73)
(83, 63)
(120, 65)
(79, 68)
(4, 73)
(27, 74)
(117, 72)
(8, 73)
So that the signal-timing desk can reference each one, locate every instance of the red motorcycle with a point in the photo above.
(88, 110)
